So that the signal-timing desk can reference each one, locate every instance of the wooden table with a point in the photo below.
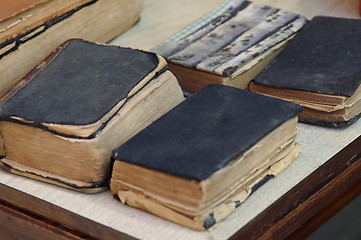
(322, 180)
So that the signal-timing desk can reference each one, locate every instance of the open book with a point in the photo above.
(63, 119)
(196, 164)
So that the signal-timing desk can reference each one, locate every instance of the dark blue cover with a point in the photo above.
(82, 84)
(206, 131)
(325, 57)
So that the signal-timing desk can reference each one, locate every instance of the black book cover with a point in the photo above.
(80, 84)
(206, 131)
(324, 58)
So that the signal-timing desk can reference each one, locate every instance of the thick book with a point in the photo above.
(230, 45)
(31, 29)
(63, 119)
(196, 164)
(319, 69)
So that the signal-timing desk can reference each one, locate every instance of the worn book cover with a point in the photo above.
(230, 45)
(61, 122)
(31, 29)
(200, 161)
(319, 69)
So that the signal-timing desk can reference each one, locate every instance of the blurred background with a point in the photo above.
(345, 225)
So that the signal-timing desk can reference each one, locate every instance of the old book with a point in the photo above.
(31, 29)
(319, 69)
(63, 119)
(201, 160)
(230, 45)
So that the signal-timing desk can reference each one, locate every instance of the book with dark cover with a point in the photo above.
(199, 161)
(31, 29)
(230, 45)
(319, 69)
(63, 119)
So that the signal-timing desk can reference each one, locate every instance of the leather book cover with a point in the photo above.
(230, 45)
(30, 29)
(10, 8)
(196, 164)
(319, 69)
(206, 131)
(324, 58)
(78, 84)
(63, 119)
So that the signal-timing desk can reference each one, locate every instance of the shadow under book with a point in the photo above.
(61, 122)
(196, 164)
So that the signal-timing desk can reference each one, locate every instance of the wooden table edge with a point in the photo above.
(296, 214)
(311, 202)
(15, 203)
